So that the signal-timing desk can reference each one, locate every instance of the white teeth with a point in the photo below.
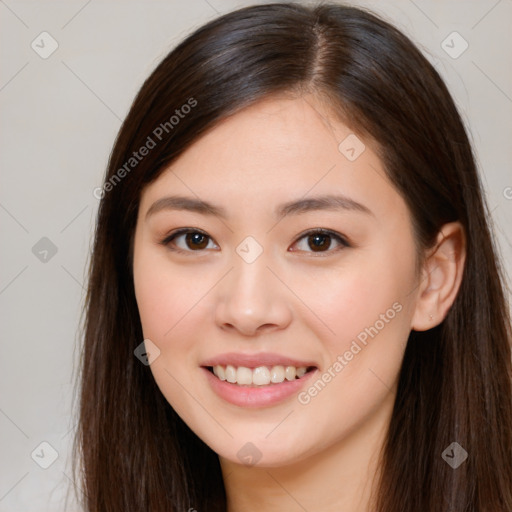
(301, 371)
(230, 374)
(260, 376)
(244, 376)
(290, 373)
(219, 371)
(277, 374)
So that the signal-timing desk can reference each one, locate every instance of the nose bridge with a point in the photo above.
(250, 272)
(250, 297)
(249, 281)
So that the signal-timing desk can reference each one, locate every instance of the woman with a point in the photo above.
(295, 301)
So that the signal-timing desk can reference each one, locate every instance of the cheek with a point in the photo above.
(161, 293)
(365, 307)
(156, 300)
(355, 297)
(173, 302)
(165, 299)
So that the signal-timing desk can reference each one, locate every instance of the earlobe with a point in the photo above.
(441, 277)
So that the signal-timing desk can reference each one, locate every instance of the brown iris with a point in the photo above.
(318, 242)
(196, 240)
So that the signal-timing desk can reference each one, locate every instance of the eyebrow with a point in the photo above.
(300, 206)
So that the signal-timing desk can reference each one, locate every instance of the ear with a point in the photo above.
(441, 277)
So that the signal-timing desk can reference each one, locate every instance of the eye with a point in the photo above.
(187, 240)
(320, 240)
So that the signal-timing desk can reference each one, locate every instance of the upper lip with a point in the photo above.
(255, 360)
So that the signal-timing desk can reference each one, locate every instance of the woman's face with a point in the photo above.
(298, 256)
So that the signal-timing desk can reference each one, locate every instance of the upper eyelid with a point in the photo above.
(184, 231)
(323, 231)
(341, 239)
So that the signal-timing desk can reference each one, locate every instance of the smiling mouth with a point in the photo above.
(260, 376)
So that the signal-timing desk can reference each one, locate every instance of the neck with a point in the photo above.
(341, 476)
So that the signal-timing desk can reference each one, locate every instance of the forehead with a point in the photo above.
(275, 150)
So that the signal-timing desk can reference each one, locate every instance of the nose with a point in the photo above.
(251, 300)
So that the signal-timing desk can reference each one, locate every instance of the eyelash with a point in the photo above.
(326, 232)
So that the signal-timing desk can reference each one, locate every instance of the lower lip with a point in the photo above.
(261, 396)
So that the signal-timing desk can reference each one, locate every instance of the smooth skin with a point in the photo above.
(295, 299)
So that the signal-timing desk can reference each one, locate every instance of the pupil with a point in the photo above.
(196, 239)
(319, 241)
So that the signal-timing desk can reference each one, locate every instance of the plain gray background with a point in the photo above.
(60, 115)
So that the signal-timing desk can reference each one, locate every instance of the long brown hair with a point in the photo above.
(132, 451)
